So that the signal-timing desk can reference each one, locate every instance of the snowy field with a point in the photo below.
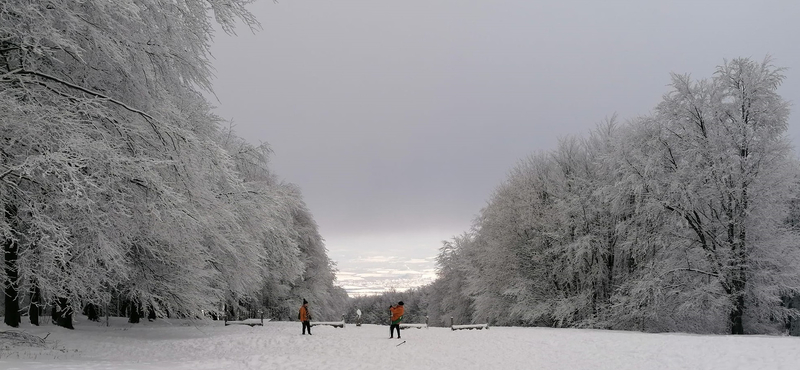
(278, 345)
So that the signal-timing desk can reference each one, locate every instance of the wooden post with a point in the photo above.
(106, 309)
(426, 322)
(451, 323)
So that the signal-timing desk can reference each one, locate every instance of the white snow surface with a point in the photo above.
(175, 344)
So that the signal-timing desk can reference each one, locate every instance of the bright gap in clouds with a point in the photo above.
(376, 263)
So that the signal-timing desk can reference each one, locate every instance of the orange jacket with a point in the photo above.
(304, 316)
(397, 312)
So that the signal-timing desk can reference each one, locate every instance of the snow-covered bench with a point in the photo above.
(251, 322)
(418, 326)
(335, 324)
(470, 327)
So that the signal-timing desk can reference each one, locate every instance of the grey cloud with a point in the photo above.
(402, 117)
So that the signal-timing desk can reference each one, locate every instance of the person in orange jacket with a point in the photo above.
(305, 317)
(397, 316)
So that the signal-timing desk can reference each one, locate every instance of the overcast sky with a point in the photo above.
(399, 118)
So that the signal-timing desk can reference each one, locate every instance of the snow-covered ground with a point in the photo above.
(170, 344)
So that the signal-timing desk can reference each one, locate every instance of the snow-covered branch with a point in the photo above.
(83, 89)
(18, 70)
(691, 270)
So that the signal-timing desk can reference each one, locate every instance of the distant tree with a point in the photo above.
(449, 294)
(375, 308)
(319, 271)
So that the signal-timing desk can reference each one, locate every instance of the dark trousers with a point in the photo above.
(306, 324)
(391, 330)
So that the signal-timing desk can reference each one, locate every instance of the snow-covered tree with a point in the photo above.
(116, 181)
(448, 295)
(720, 164)
(684, 219)
(98, 101)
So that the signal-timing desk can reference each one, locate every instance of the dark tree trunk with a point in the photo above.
(151, 314)
(10, 250)
(736, 237)
(64, 308)
(33, 312)
(737, 327)
(55, 314)
(91, 312)
(35, 309)
(792, 324)
(736, 316)
(230, 312)
(134, 314)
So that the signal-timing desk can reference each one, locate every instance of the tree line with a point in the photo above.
(685, 219)
(119, 186)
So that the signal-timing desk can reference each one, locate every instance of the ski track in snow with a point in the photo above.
(279, 345)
